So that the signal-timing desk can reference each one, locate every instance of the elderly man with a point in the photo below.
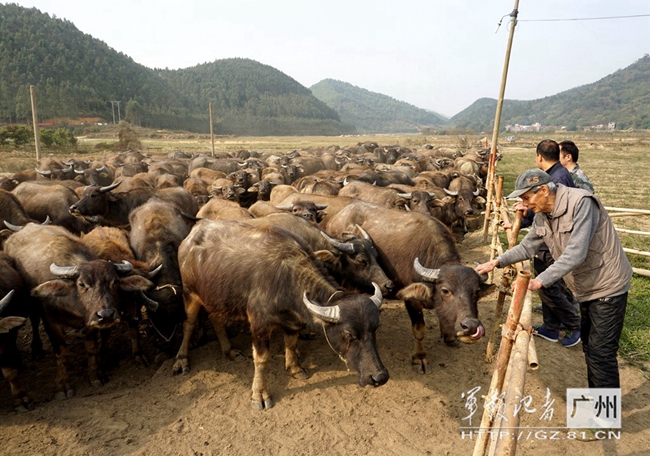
(588, 254)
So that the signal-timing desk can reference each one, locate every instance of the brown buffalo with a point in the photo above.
(264, 276)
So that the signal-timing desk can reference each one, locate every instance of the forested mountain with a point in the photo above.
(77, 75)
(373, 112)
(622, 97)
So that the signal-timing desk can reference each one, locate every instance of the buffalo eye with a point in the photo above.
(445, 291)
(363, 262)
(81, 284)
(349, 336)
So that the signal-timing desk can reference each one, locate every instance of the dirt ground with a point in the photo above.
(207, 412)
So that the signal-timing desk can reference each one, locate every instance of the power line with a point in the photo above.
(582, 18)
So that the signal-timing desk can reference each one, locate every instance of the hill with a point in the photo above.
(373, 112)
(77, 75)
(622, 97)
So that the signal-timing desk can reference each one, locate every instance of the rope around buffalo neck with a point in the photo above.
(160, 334)
(330, 344)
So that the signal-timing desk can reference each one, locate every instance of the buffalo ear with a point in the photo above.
(325, 256)
(52, 288)
(485, 289)
(135, 283)
(9, 323)
(480, 200)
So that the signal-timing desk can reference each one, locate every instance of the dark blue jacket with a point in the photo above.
(559, 175)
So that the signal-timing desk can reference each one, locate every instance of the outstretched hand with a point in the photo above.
(485, 268)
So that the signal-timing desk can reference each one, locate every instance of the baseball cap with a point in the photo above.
(530, 178)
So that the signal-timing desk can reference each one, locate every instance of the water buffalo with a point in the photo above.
(401, 238)
(74, 289)
(114, 208)
(264, 276)
(352, 260)
(14, 307)
(157, 229)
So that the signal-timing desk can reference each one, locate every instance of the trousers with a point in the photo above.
(558, 311)
(601, 327)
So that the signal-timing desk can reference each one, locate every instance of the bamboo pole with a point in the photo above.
(626, 214)
(211, 130)
(622, 230)
(533, 363)
(497, 122)
(507, 341)
(636, 252)
(37, 134)
(634, 211)
(641, 272)
(495, 221)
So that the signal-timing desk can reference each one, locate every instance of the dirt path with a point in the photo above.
(148, 411)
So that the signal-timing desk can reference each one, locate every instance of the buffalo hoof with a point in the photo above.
(24, 404)
(262, 405)
(181, 366)
(140, 361)
(300, 375)
(63, 395)
(421, 366)
(236, 355)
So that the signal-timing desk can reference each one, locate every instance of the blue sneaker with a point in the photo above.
(571, 338)
(541, 331)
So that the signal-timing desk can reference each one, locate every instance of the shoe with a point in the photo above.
(571, 338)
(541, 331)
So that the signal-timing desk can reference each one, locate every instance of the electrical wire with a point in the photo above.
(583, 18)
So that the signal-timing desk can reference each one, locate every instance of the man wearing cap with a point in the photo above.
(588, 254)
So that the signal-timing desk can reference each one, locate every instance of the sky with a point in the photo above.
(440, 55)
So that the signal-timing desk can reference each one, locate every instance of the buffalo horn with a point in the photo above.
(67, 170)
(13, 227)
(476, 192)
(99, 170)
(286, 207)
(5, 301)
(43, 173)
(450, 193)
(345, 247)
(377, 297)
(123, 267)
(78, 172)
(65, 272)
(363, 232)
(47, 221)
(153, 273)
(109, 187)
(329, 314)
(404, 195)
(149, 303)
(429, 274)
(407, 209)
(320, 207)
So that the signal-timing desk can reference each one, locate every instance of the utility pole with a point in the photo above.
(37, 134)
(497, 123)
(119, 117)
(211, 130)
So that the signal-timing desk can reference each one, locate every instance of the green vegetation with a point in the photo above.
(76, 75)
(373, 112)
(622, 97)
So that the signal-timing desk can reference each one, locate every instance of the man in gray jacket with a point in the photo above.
(588, 254)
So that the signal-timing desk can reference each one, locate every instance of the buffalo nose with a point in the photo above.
(390, 286)
(469, 325)
(380, 378)
(106, 314)
(73, 208)
(470, 211)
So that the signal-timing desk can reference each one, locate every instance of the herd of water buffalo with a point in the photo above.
(293, 241)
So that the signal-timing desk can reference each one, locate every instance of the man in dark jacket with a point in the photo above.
(583, 241)
(558, 311)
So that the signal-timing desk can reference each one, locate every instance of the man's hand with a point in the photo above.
(534, 285)
(487, 267)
